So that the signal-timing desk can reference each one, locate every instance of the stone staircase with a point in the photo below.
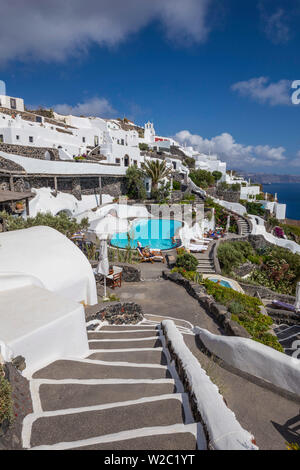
(206, 264)
(289, 337)
(126, 395)
(244, 227)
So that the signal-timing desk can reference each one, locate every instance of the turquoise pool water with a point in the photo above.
(223, 283)
(155, 233)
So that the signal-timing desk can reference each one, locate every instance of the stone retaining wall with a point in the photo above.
(10, 436)
(219, 312)
(28, 151)
(265, 293)
(283, 316)
(117, 313)
(130, 272)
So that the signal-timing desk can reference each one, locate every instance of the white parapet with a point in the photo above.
(255, 358)
(225, 432)
(50, 257)
(40, 326)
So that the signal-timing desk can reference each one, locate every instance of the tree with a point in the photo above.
(156, 170)
(189, 162)
(217, 175)
(135, 183)
(143, 147)
(61, 222)
(202, 178)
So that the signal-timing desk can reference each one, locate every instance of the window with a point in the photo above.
(83, 139)
(38, 119)
(30, 138)
(17, 137)
(13, 103)
(135, 162)
(118, 161)
(1, 138)
(122, 141)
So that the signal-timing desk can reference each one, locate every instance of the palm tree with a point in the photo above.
(156, 170)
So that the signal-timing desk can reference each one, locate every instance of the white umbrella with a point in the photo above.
(103, 266)
(213, 219)
(228, 223)
(297, 303)
(108, 225)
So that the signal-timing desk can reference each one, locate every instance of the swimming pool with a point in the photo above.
(222, 282)
(155, 233)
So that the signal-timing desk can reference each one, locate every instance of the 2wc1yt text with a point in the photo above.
(150, 459)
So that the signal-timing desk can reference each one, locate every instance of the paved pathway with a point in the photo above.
(271, 418)
(124, 396)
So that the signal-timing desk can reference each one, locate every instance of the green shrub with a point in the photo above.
(61, 222)
(202, 178)
(235, 307)
(254, 208)
(135, 186)
(6, 404)
(189, 197)
(233, 254)
(236, 187)
(217, 175)
(187, 262)
(245, 310)
(176, 185)
(193, 276)
(143, 147)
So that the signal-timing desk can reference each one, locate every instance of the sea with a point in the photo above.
(289, 194)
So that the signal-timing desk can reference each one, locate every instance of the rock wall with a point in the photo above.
(10, 437)
(265, 293)
(219, 312)
(27, 151)
(117, 313)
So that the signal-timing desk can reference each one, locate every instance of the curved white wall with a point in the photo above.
(255, 358)
(259, 229)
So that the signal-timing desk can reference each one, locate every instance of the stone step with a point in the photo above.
(127, 344)
(206, 271)
(138, 357)
(175, 441)
(63, 396)
(122, 335)
(288, 332)
(288, 343)
(127, 327)
(281, 328)
(79, 426)
(65, 369)
(159, 319)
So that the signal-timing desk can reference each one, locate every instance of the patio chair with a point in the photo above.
(116, 277)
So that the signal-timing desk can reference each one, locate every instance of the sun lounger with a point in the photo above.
(197, 248)
(201, 241)
(284, 305)
(153, 256)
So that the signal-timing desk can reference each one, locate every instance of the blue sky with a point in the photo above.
(215, 74)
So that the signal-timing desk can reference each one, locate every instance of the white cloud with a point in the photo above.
(295, 161)
(275, 24)
(52, 31)
(92, 107)
(233, 152)
(263, 91)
